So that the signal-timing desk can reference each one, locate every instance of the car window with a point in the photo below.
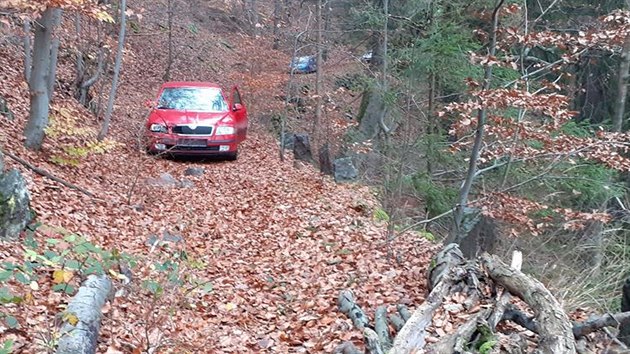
(199, 99)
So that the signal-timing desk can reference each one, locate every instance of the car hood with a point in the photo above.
(175, 117)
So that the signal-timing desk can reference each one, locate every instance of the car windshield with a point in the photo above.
(301, 60)
(199, 99)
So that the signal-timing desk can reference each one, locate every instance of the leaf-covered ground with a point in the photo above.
(267, 244)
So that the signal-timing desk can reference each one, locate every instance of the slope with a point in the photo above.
(262, 246)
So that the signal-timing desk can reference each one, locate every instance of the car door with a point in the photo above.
(240, 113)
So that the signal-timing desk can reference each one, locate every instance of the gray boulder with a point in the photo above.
(289, 141)
(344, 170)
(194, 171)
(167, 237)
(15, 211)
(166, 180)
(302, 148)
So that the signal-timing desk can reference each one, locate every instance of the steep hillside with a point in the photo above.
(259, 248)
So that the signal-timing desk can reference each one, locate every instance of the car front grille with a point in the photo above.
(191, 130)
(177, 148)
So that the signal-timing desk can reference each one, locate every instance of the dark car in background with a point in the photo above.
(303, 65)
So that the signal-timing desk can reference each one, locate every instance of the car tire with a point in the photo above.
(231, 156)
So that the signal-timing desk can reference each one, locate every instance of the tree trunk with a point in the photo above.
(28, 49)
(40, 79)
(277, 14)
(622, 87)
(119, 55)
(169, 64)
(455, 235)
(624, 331)
(370, 119)
(318, 77)
(251, 14)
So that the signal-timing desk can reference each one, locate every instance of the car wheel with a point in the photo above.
(232, 156)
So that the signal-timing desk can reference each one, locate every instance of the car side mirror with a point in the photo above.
(237, 107)
(149, 103)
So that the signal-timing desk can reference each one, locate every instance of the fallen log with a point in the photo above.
(441, 278)
(82, 318)
(49, 175)
(470, 291)
(556, 335)
(348, 305)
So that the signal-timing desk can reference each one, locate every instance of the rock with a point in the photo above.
(173, 238)
(152, 240)
(1, 162)
(4, 109)
(344, 170)
(289, 141)
(167, 237)
(15, 211)
(186, 183)
(302, 148)
(166, 180)
(194, 171)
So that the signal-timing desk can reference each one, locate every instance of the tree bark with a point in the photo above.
(556, 333)
(28, 51)
(413, 335)
(39, 82)
(81, 337)
(277, 18)
(624, 332)
(169, 64)
(118, 63)
(348, 305)
(54, 51)
(318, 76)
(370, 118)
(455, 235)
(622, 87)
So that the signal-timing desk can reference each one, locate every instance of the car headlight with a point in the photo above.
(225, 131)
(158, 128)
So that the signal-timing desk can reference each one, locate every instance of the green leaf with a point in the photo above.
(64, 287)
(95, 268)
(52, 241)
(22, 278)
(81, 249)
(207, 288)
(69, 289)
(30, 254)
(11, 321)
(9, 266)
(5, 274)
(71, 238)
(154, 287)
(30, 242)
(73, 264)
(7, 347)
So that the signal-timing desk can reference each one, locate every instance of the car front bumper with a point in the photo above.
(191, 145)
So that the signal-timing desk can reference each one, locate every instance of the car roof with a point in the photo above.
(189, 84)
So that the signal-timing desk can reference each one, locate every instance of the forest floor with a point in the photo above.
(266, 245)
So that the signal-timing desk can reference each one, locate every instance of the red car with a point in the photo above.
(196, 118)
